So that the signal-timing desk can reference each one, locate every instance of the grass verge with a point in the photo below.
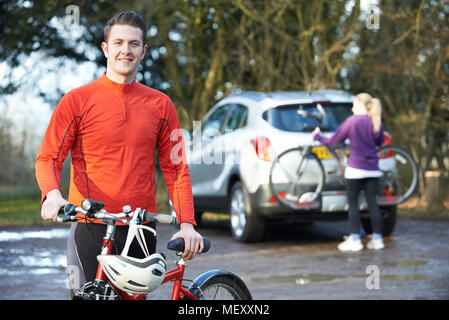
(19, 212)
(28, 211)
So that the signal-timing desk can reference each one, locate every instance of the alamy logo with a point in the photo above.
(373, 280)
(73, 277)
(202, 146)
(373, 21)
(72, 17)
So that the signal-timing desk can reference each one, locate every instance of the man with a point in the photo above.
(112, 126)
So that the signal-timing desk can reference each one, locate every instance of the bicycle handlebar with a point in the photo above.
(69, 212)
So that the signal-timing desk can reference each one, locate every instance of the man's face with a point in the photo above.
(124, 49)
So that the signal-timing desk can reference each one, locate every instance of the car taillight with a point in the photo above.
(387, 142)
(261, 145)
(387, 139)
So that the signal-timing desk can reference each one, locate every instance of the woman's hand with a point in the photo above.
(315, 132)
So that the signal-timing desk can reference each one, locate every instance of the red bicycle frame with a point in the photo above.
(175, 275)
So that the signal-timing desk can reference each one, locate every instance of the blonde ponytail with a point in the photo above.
(373, 107)
(375, 113)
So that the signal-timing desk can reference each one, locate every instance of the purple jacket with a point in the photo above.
(363, 141)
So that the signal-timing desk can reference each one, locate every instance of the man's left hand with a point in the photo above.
(193, 241)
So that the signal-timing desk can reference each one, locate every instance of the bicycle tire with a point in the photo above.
(291, 185)
(400, 178)
(222, 288)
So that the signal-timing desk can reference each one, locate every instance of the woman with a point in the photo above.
(365, 132)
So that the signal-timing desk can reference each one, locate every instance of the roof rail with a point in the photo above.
(254, 95)
(323, 94)
(334, 92)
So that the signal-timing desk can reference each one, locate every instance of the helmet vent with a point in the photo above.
(157, 273)
(110, 276)
(115, 271)
(135, 284)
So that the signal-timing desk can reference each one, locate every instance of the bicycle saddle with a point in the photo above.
(178, 244)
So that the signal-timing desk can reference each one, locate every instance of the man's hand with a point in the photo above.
(193, 241)
(53, 202)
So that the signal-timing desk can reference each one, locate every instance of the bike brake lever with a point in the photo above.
(68, 212)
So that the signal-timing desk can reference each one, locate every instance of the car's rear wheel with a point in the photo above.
(246, 226)
(389, 215)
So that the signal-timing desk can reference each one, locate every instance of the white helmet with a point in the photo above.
(134, 275)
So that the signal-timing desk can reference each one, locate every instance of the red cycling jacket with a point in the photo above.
(112, 131)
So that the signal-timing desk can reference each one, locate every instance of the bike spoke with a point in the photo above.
(296, 172)
(285, 171)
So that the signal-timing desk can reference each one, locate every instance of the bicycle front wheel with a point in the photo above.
(220, 285)
(400, 178)
(297, 179)
(223, 289)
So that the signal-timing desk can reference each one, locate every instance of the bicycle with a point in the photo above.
(298, 176)
(215, 284)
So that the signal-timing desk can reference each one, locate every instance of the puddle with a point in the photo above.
(32, 263)
(314, 278)
(297, 279)
(20, 259)
(58, 261)
(407, 277)
(41, 234)
(407, 263)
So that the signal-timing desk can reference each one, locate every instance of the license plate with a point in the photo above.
(321, 152)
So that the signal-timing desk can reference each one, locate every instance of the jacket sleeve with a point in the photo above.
(56, 144)
(340, 135)
(172, 159)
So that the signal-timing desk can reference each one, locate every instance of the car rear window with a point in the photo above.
(306, 117)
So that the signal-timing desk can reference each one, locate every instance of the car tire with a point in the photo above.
(389, 215)
(246, 225)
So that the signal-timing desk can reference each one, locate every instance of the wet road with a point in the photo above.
(292, 262)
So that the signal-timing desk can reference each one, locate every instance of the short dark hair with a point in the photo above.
(127, 18)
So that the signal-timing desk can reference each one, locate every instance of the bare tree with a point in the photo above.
(406, 64)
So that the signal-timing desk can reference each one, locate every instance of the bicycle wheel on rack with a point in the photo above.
(297, 179)
(400, 177)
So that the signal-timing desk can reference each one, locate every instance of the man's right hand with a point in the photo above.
(53, 202)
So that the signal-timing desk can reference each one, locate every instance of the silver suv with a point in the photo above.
(230, 154)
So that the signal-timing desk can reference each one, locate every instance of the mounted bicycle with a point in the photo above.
(301, 176)
(298, 177)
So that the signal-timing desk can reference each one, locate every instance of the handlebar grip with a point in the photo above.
(165, 218)
(206, 243)
(61, 210)
(178, 244)
(161, 218)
